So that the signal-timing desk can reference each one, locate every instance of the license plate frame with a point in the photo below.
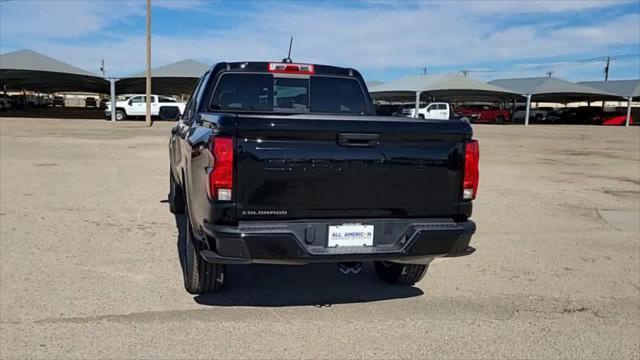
(342, 235)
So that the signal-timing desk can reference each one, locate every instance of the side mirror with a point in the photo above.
(199, 135)
(169, 113)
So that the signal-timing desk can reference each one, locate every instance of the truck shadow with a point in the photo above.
(319, 285)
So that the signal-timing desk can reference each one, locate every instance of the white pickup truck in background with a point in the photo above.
(434, 111)
(135, 105)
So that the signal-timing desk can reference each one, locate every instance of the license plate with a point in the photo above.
(350, 235)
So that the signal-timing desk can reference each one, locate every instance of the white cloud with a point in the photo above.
(384, 35)
(511, 7)
(63, 19)
(75, 18)
(178, 4)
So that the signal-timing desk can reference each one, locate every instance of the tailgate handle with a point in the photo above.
(358, 140)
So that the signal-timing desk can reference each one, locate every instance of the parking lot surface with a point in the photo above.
(89, 266)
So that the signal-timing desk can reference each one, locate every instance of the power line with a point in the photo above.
(576, 62)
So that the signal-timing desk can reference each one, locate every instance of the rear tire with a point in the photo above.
(176, 196)
(500, 119)
(200, 277)
(400, 274)
(120, 115)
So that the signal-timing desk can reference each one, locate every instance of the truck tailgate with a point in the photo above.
(328, 166)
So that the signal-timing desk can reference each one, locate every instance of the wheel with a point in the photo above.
(120, 115)
(400, 274)
(420, 116)
(538, 118)
(200, 277)
(500, 119)
(175, 197)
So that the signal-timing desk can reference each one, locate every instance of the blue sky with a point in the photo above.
(383, 39)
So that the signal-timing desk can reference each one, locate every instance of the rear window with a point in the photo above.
(268, 93)
(139, 99)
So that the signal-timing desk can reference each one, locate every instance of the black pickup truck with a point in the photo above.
(283, 163)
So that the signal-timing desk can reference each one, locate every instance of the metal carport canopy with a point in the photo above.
(620, 87)
(29, 70)
(176, 78)
(627, 88)
(449, 87)
(444, 87)
(551, 89)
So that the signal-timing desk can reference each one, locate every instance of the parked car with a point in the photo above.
(537, 115)
(555, 116)
(402, 110)
(42, 101)
(90, 102)
(577, 115)
(135, 105)
(46, 101)
(388, 110)
(614, 120)
(5, 103)
(17, 101)
(434, 111)
(483, 113)
(32, 101)
(58, 101)
(285, 163)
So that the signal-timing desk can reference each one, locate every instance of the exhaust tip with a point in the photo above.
(347, 268)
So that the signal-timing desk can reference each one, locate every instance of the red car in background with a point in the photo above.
(616, 120)
(483, 114)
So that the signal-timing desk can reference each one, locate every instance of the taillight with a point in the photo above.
(221, 177)
(291, 68)
(471, 171)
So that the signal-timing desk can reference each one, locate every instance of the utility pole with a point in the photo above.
(102, 67)
(549, 73)
(424, 71)
(606, 69)
(464, 72)
(148, 94)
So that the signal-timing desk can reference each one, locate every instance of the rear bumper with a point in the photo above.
(303, 242)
